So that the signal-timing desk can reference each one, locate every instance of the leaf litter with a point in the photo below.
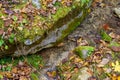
(102, 63)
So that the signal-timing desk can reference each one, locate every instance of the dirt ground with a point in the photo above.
(102, 12)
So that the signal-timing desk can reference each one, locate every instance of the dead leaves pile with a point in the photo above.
(21, 72)
(104, 63)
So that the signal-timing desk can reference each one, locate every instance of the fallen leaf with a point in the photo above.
(8, 75)
(114, 77)
(92, 78)
(106, 27)
(112, 35)
(103, 62)
(81, 42)
(60, 45)
(1, 75)
(116, 48)
(23, 78)
(21, 63)
(116, 66)
(68, 76)
(51, 74)
(7, 22)
(118, 78)
(1, 31)
(14, 70)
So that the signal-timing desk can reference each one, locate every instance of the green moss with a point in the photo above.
(26, 33)
(74, 23)
(61, 12)
(84, 51)
(37, 31)
(72, 26)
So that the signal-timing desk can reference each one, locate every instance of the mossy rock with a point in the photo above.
(84, 51)
(29, 26)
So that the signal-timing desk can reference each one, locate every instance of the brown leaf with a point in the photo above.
(29, 8)
(8, 75)
(92, 78)
(14, 70)
(68, 76)
(60, 44)
(51, 74)
(23, 78)
(1, 31)
(103, 62)
(9, 31)
(115, 48)
(20, 18)
(114, 35)
(43, 12)
(7, 22)
(106, 27)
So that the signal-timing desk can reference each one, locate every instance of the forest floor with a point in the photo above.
(100, 60)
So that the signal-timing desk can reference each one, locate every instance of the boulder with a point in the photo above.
(28, 26)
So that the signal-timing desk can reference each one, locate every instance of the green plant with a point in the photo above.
(1, 76)
(105, 36)
(1, 42)
(6, 47)
(11, 38)
(34, 60)
(34, 76)
(14, 18)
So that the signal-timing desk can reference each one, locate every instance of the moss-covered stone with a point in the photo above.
(84, 51)
(38, 26)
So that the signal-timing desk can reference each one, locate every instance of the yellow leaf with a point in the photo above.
(117, 63)
(118, 78)
(114, 77)
(116, 66)
(113, 64)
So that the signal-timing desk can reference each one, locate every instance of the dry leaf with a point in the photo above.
(116, 48)
(14, 70)
(103, 62)
(106, 27)
(23, 78)
(1, 31)
(51, 74)
(60, 45)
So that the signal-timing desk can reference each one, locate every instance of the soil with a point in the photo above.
(102, 13)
